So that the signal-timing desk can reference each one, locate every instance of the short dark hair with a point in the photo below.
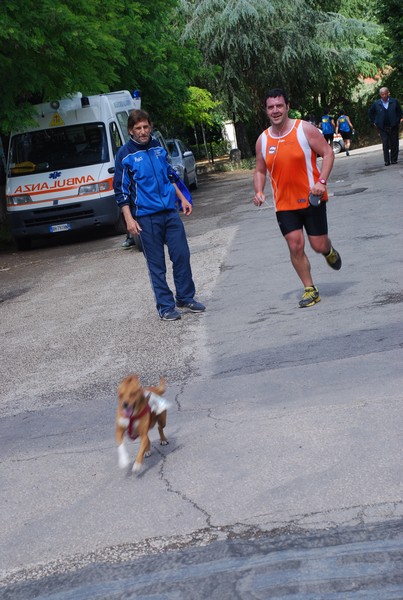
(137, 115)
(276, 93)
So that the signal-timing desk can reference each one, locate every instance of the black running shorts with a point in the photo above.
(313, 219)
(346, 135)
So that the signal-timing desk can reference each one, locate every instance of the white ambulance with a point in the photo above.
(60, 172)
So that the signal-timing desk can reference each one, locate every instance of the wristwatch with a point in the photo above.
(322, 181)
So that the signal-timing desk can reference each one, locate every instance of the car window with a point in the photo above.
(115, 137)
(181, 146)
(161, 140)
(122, 120)
(173, 150)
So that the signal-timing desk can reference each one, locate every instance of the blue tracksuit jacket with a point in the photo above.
(143, 178)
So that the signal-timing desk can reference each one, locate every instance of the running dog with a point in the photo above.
(139, 409)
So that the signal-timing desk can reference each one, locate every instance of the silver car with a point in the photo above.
(183, 161)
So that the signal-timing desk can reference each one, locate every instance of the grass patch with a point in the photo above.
(246, 164)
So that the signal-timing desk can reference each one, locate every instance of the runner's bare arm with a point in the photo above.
(259, 178)
(319, 145)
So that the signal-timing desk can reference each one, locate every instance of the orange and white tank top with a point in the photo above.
(292, 166)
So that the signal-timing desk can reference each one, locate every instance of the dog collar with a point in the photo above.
(131, 430)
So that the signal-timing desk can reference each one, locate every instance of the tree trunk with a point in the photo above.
(197, 141)
(205, 142)
(242, 139)
(3, 210)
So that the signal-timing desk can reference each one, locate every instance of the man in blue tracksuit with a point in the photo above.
(146, 190)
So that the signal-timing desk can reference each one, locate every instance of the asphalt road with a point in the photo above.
(283, 477)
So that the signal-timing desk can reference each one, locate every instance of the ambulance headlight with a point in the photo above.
(18, 200)
(93, 188)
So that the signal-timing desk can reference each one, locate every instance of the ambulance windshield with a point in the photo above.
(58, 148)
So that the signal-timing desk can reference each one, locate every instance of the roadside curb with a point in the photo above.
(203, 167)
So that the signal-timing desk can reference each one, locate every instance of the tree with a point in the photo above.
(200, 108)
(50, 49)
(390, 15)
(259, 44)
(157, 61)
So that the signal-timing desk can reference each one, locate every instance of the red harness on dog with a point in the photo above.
(132, 430)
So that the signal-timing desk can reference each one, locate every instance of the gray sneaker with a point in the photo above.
(128, 243)
(193, 306)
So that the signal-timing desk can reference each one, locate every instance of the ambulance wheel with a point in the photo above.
(119, 227)
(23, 243)
(137, 241)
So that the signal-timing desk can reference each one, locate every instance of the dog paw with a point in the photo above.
(164, 443)
(123, 457)
(147, 454)
(123, 462)
(137, 468)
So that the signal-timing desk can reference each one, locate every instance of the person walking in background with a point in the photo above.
(345, 127)
(288, 150)
(327, 126)
(386, 114)
(146, 189)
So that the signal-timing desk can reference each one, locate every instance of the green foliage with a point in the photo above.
(157, 62)
(50, 49)
(260, 44)
(54, 48)
(194, 61)
(200, 107)
(390, 15)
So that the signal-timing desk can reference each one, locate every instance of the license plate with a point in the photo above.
(57, 228)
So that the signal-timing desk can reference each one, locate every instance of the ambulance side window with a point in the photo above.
(122, 120)
(115, 138)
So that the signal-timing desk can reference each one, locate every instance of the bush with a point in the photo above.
(247, 164)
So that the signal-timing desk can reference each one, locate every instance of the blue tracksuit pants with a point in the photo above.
(162, 228)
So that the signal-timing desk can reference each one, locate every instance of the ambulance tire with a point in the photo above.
(23, 243)
(120, 226)
(138, 244)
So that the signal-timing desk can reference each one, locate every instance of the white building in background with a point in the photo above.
(229, 134)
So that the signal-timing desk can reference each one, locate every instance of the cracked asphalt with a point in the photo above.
(283, 476)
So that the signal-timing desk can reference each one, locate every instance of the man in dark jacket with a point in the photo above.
(386, 115)
(146, 190)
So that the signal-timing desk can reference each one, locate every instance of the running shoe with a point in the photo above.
(309, 297)
(333, 259)
(193, 306)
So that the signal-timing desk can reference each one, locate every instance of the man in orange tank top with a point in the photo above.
(288, 151)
